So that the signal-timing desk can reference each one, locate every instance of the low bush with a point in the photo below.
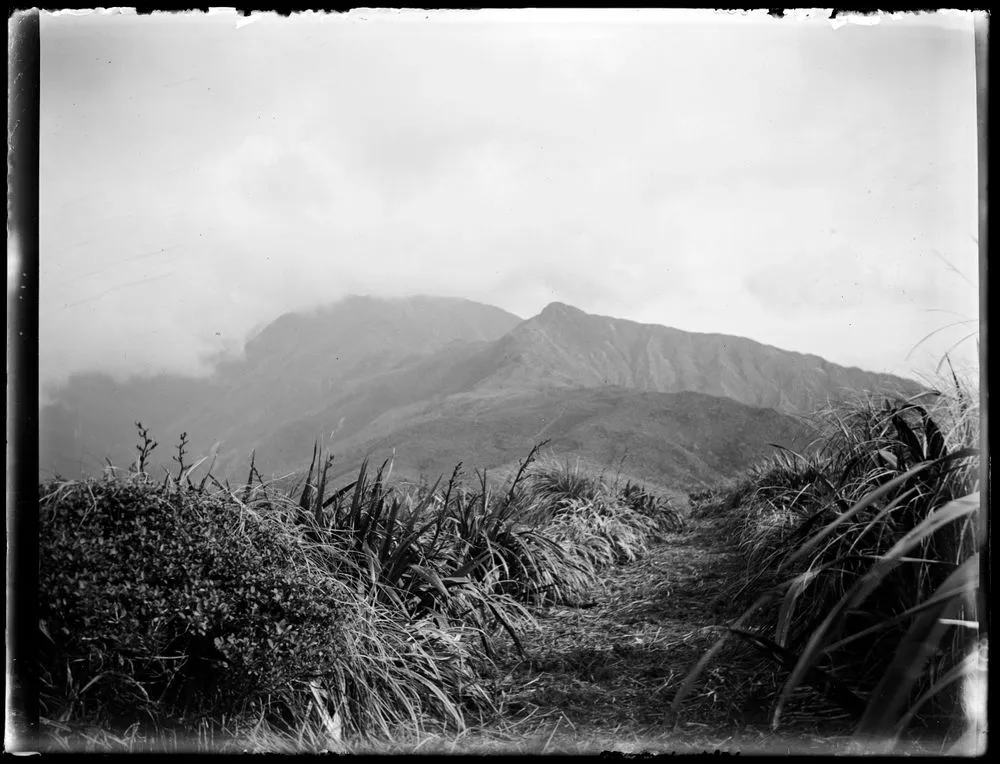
(153, 597)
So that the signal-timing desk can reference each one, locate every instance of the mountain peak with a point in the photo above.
(560, 310)
(359, 326)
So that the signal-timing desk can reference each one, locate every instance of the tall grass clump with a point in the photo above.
(467, 555)
(783, 490)
(863, 563)
(604, 522)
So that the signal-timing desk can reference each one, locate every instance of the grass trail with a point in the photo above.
(600, 676)
(614, 662)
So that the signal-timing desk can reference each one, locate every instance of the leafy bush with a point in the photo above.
(153, 595)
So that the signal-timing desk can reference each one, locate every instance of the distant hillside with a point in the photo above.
(297, 364)
(681, 440)
(443, 380)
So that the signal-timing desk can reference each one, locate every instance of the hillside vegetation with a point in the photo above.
(842, 582)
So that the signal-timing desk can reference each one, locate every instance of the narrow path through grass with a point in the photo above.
(600, 676)
(613, 662)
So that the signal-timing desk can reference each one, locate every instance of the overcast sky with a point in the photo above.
(808, 187)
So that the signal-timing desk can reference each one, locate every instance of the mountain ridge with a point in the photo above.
(369, 369)
(564, 345)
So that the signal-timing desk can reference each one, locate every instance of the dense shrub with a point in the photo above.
(155, 597)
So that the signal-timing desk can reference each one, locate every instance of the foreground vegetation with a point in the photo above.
(862, 568)
(209, 617)
(183, 613)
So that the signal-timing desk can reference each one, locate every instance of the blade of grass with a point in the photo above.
(909, 439)
(305, 500)
(933, 601)
(320, 491)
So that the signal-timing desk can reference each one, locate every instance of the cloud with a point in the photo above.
(753, 180)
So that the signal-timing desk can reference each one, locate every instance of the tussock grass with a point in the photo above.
(863, 562)
(608, 521)
(471, 556)
(555, 485)
(603, 532)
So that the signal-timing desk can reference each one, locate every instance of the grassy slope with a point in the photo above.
(682, 440)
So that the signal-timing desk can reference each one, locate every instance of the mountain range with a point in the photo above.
(433, 381)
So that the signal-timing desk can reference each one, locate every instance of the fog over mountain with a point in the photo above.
(433, 381)
(810, 186)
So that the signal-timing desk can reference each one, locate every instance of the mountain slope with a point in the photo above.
(681, 440)
(565, 346)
